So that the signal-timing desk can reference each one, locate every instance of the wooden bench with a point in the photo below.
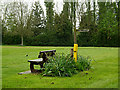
(43, 57)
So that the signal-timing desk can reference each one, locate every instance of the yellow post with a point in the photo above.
(75, 51)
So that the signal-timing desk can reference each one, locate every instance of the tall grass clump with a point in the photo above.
(64, 65)
(83, 63)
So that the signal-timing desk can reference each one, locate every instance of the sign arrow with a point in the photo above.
(83, 30)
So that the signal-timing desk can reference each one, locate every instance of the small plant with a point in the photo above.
(63, 65)
(82, 63)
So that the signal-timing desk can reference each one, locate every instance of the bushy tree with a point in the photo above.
(108, 25)
(63, 26)
(37, 19)
(49, 15)
(16, 18)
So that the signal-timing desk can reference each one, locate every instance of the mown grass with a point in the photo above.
(103, 74)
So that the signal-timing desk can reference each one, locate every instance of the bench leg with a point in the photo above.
(32, 67)
(41, 65)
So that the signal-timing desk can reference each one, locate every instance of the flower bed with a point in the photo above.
(63, 65)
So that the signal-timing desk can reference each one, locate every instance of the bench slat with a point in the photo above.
(36, 60)
(47, 51)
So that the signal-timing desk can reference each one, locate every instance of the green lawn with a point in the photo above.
(103, 74)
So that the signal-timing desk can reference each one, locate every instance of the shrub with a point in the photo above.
(63, 65)
(11, 39)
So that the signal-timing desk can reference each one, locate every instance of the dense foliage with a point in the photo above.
(63, 65)
(32, 27)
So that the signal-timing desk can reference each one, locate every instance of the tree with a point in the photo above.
(63, 26)
(16, 17)
(49, 16)
(84, 22)
(37, 19)
(108, 25)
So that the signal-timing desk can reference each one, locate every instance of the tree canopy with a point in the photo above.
(101, 18)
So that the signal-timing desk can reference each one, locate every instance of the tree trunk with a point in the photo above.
(21, 40)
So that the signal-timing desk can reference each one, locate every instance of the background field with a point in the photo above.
(103, 74)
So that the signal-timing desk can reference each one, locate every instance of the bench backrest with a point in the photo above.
(44, 54)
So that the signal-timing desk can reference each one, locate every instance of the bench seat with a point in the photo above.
(36, 60)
